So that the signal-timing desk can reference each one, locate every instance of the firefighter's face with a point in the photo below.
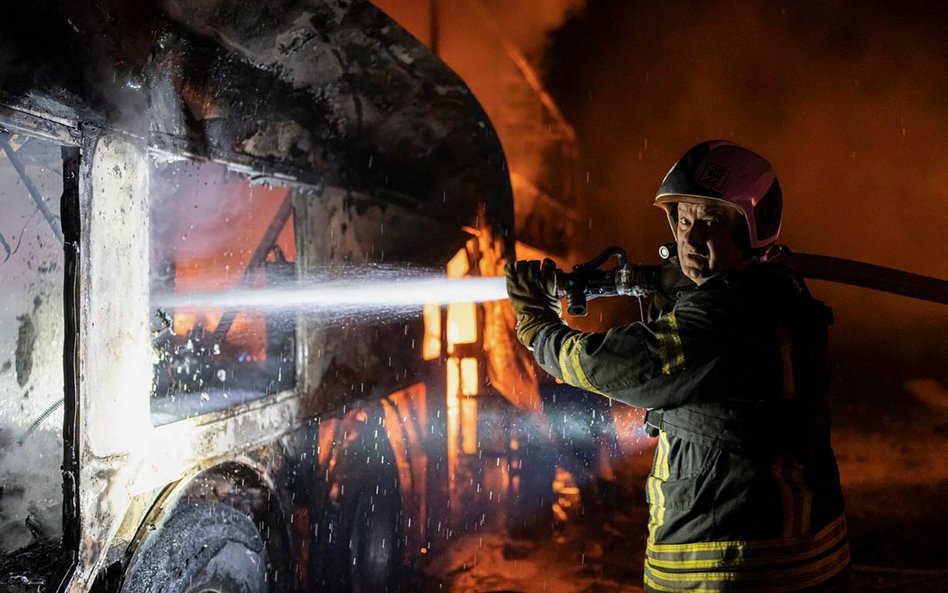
(707, 240)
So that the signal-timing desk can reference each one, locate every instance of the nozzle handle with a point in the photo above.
(576, 303)
(573, 288)
(587, 280)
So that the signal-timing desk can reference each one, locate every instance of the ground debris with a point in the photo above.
(578, 558)
(27, 569)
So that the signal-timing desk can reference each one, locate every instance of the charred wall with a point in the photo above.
(331, 93)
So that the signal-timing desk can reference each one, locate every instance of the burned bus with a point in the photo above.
(151, 152)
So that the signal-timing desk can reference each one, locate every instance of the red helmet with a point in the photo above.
(721, 172)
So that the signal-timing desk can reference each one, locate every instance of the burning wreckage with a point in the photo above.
(178, 148)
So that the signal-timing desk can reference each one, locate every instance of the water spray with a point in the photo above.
(394, 289)
(386, 289)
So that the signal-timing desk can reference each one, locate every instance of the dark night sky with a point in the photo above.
(846, 99)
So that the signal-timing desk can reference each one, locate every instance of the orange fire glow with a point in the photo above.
(431, 344)
(469, 428)
(405, 419)
(453, 384)
(462, 317)
(452, 404)
(223, 264)
(462, 324)
(462, 380)
(469, 378)
(459, 265)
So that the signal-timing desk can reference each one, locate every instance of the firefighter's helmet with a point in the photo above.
(721, 172)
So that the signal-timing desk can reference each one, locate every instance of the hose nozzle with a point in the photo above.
(587, 281)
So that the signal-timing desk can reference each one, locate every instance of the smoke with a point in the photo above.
(844, 98)
(525, 24)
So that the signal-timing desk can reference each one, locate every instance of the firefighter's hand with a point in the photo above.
(531, 286)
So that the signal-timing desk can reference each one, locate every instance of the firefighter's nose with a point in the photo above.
(693, 238)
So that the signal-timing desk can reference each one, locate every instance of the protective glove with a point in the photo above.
(531, 287)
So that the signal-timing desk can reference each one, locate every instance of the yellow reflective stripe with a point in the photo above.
(654, 484)
(659, 587)
(806, 499)
(803, 498)
(741, 561)
(650, 484)
(578, 369)
(662, 469)
(797, 498)
(669, 345)
(821, 571)
(757, 575)
(565, 367)
(570, 366)
(836, 525)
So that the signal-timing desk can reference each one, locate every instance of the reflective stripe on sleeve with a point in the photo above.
(563, 359)
(669, 344)
(570, 365)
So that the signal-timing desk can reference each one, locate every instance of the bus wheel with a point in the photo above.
(363, 554)
(204, 547)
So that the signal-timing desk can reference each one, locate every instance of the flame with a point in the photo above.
(453, 384)
(459, 265)
(462, 317)
(469, 429)
(469, 377)
(462, 324)
(453, 425)
(431, 344)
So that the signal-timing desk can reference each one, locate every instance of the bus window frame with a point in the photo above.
(296, 192)
(68, 136)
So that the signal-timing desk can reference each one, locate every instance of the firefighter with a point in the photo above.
(744, 490)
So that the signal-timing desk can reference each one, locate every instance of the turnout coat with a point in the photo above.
(744, 490)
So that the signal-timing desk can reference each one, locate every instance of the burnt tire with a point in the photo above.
(361, 549)
(204, 547)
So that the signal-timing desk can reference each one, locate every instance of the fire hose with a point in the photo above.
(590, 280)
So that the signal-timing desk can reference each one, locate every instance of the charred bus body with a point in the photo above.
(150, 151)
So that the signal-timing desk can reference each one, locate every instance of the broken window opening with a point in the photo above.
(32, 332)
(213, 230)
(52, 218)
